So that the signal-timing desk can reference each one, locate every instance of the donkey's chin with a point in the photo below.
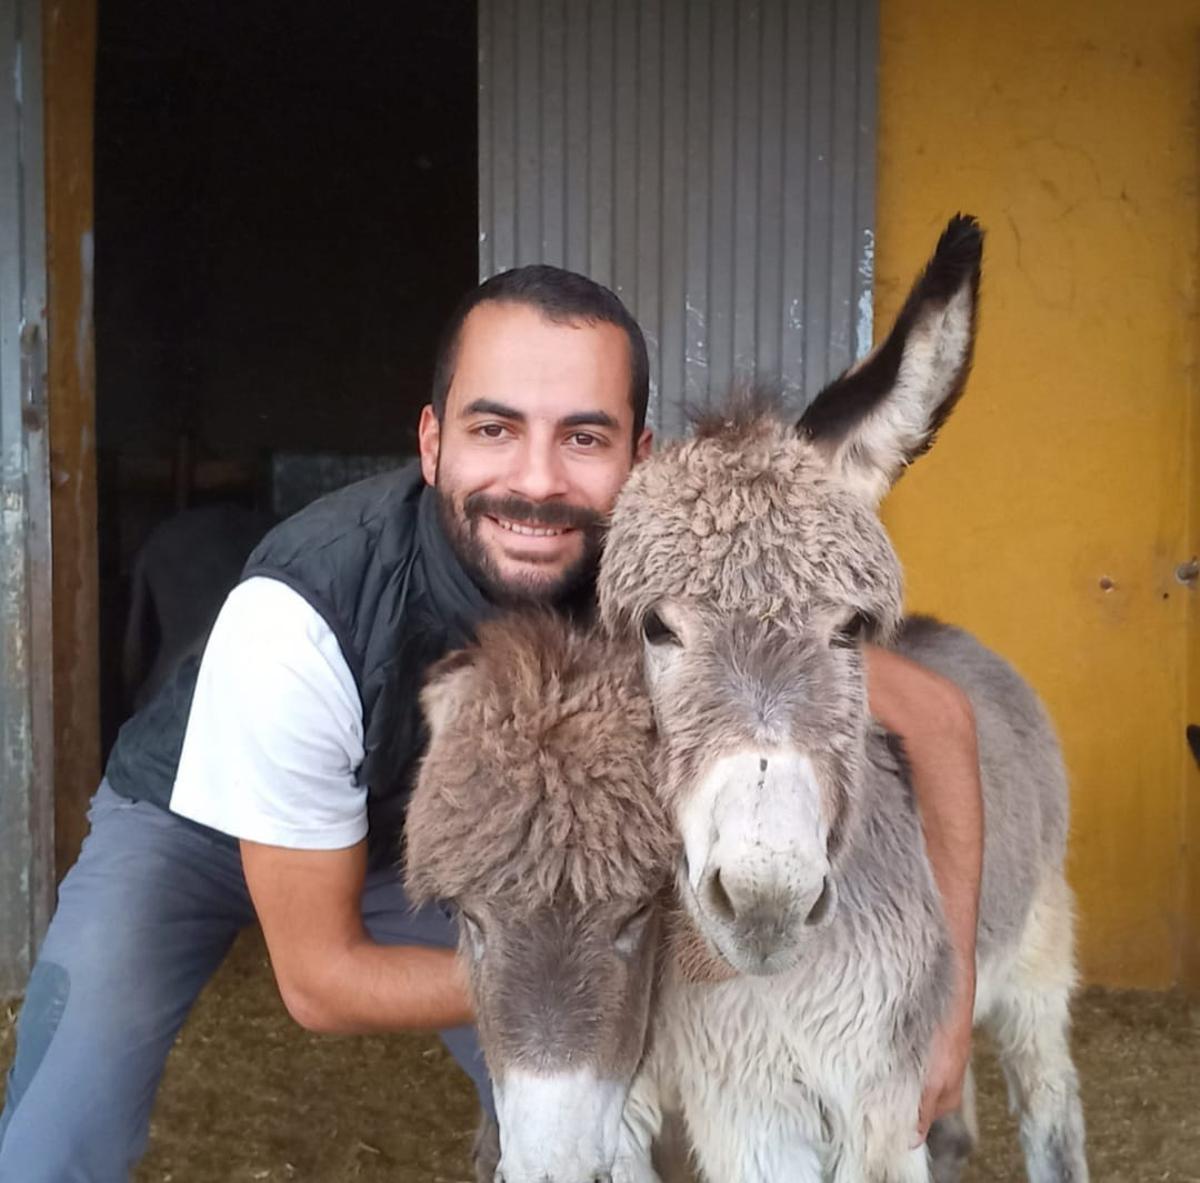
(559, 1127)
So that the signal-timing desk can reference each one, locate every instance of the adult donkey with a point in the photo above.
(751, 560)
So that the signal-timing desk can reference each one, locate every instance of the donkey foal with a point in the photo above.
(752, 562)
(535, 814)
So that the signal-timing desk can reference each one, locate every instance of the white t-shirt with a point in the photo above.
(275, 733)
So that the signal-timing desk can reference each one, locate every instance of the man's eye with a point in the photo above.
(585, 439)
(491, 431)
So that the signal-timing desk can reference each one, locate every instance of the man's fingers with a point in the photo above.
(935, 1103)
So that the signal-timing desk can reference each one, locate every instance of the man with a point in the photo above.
(269, 782)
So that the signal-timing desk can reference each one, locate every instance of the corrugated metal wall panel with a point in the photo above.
(711, 160)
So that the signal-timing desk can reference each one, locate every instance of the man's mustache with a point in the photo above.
(551, 514)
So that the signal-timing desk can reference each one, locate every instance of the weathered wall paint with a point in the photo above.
(1052, 516)
(1190, 970)
(69, 75)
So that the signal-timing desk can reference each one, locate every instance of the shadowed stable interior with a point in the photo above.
(285, 213)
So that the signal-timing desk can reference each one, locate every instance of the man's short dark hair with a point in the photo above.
(562, 297)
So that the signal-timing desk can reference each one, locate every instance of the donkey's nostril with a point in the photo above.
(820, 909)
(718, 897)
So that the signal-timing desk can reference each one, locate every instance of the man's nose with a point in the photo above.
(538, 473)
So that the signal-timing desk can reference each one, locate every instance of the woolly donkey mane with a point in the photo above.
(537, 781)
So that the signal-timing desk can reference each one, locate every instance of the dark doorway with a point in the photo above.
(285, 211)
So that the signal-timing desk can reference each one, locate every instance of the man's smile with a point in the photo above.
(523, 541)
(529, 531)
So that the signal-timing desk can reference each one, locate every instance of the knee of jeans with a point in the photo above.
(45, 1001)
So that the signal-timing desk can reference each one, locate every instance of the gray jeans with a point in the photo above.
(144, 918)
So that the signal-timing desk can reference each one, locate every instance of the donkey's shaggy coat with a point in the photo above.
(812, 963)
(509, 802)
(752, 561)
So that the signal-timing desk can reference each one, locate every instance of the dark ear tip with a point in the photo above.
(957, 260)
(961, 242)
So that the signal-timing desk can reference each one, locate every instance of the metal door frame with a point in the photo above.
(26, 660)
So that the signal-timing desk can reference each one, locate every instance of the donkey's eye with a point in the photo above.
(854, 631)
(474, 931)
(655, 631)
(629, 935)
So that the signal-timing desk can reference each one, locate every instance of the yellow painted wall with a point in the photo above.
(1070, 128)
(1190, 972)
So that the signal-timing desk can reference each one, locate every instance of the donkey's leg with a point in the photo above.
(901, 1165)
(485, 1151)
(1030, 1022)
(742, 1139)
(641, 1126)
(911, 1167)
(673, 1151)
(880, 1149)
(953, 1138)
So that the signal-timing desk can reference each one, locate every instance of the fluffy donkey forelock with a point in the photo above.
(745, 517)
(537, 780)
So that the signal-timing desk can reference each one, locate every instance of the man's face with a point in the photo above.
(535, 443)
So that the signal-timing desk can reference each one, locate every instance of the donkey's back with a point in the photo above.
(1024, 783)
(835, 1048)
(1025, 944)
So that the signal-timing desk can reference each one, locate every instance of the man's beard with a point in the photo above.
(462, 529)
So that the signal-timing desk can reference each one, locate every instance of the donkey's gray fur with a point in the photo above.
(792, 1023)
(534, 813)
(752, 559)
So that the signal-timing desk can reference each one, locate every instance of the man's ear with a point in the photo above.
(429, 441)
(644, 446)
(447, 684)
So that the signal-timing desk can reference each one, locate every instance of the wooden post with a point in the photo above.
(69, 36)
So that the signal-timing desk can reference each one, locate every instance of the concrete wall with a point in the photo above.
(1053, 514)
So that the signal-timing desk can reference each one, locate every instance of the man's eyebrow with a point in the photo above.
(487, 406)
(590, 419)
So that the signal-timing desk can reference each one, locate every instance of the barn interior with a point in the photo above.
(285, 212)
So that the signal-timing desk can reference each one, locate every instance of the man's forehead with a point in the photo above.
(513, 356)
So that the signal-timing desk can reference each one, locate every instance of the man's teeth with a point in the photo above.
(532, 531)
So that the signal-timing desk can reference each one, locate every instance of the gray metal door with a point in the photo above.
(713, 161)
(26, 747)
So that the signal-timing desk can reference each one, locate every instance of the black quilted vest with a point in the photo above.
(373, 561)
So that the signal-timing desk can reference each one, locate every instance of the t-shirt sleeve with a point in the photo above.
(275, 733)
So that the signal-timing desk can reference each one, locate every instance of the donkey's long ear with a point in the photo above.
(446, 684)
(884, 412)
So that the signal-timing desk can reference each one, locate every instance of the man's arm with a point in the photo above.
(333, 978)
(934, 719)
(273, 743)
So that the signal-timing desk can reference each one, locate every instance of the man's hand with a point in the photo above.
(949, 1057)
(934, 720)
(332, 977)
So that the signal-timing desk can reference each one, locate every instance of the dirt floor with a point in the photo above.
(250, 1097)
